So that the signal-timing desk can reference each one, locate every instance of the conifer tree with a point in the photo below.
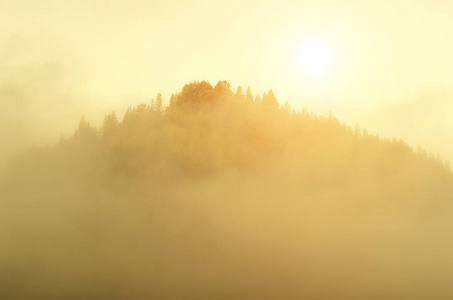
(249, 95)
(287, 108)
(158, 103)
(240, 93)
(258, 100)
(270, 101)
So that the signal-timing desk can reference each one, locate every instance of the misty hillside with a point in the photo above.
(225, 195)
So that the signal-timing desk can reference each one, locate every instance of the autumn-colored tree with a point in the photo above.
(195, 93)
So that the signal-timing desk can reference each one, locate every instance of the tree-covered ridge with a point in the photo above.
(206, 129)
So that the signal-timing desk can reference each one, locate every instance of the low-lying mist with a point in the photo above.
(41, 94)
(224, 195)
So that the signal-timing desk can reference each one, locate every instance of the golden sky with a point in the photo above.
(385, 52)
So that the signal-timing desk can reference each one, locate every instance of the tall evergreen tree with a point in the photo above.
(258, 100)
(240, 94)
(158, 103)
(270, 101)
(249, 95)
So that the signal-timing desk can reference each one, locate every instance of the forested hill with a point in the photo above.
(225, 195)
(208, 130)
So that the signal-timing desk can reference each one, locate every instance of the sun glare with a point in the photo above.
(315, 58)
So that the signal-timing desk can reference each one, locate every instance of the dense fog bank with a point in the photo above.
(224, 195)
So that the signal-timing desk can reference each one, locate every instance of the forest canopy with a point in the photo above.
(207, 130)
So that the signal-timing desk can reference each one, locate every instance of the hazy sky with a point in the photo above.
(110, 54)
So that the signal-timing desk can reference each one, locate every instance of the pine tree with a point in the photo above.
(85, 132)
(270, 101)
(158, 103)
(249, 96)
(240, 94)
(109, 126)
(172, 101)
(258, 100)
(286, 108)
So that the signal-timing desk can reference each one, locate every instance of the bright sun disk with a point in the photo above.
(315, 58)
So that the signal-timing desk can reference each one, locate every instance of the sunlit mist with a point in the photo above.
(226, 150)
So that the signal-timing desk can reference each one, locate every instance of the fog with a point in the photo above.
(421, 119)
(129, 171)
(40, 94)
(229, 196)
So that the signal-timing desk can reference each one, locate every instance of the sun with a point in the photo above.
(315, 58)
